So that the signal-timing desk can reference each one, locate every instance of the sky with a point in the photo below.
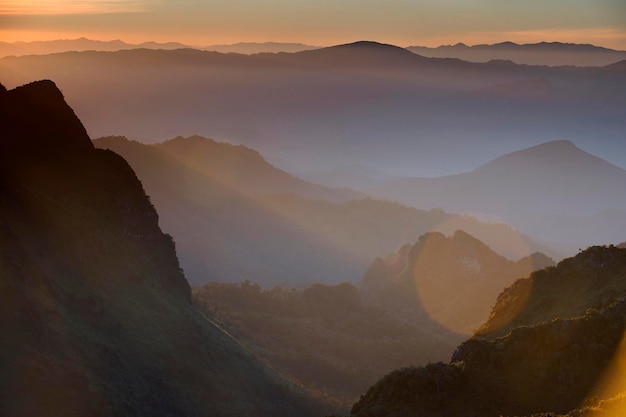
(319, 22)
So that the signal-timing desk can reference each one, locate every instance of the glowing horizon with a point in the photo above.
(319, 23)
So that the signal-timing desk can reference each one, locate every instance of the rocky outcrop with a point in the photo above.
(551, 357)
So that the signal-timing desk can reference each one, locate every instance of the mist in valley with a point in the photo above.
(360, 229)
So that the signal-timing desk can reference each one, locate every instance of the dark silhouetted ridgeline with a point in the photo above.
(95, 311)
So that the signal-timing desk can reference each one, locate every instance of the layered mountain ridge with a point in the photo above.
(542, 53)
(554, 191)
(368, 104)
(552, 345)
(235, 217)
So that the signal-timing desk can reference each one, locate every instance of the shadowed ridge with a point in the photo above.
(36, 118)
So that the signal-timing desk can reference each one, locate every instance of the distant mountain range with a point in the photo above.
(96, 314)
(80, 44)
(554, 191)
(363, 104)
(84, 44)
(543, 53)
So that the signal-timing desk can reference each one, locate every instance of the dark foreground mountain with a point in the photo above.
(96, 317)
(553, 191)
(234, 216)
(553, 344)
(340, 339)
(543, 53)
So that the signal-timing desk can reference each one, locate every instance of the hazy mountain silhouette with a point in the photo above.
(244, 169)
(560, 352)
(554, 191)
(260, 47)
(453, 280)
(80, 44)
(96, 313)
(362, 104)
(542, 53)
(208, 197)
(84, 44)
(223, 231)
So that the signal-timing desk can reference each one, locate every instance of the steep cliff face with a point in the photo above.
(95, 313)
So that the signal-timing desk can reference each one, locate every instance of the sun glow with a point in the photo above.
(53, 7)
(612, 389)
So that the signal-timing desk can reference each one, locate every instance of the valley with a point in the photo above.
(278, 229)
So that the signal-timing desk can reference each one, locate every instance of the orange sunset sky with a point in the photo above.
(325, 22)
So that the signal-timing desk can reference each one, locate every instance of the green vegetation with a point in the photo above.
(324, 337)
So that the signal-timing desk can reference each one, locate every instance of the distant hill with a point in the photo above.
(208, 197)
(542, 53)
(562, 353)
(554, 191)
(362, 53)
(243, 169)
(80, 44)
(97, 315)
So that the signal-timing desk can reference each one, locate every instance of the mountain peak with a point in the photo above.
(560, 156)
(371, 46)
(33, 114)
(362, 53)
(367, 44)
